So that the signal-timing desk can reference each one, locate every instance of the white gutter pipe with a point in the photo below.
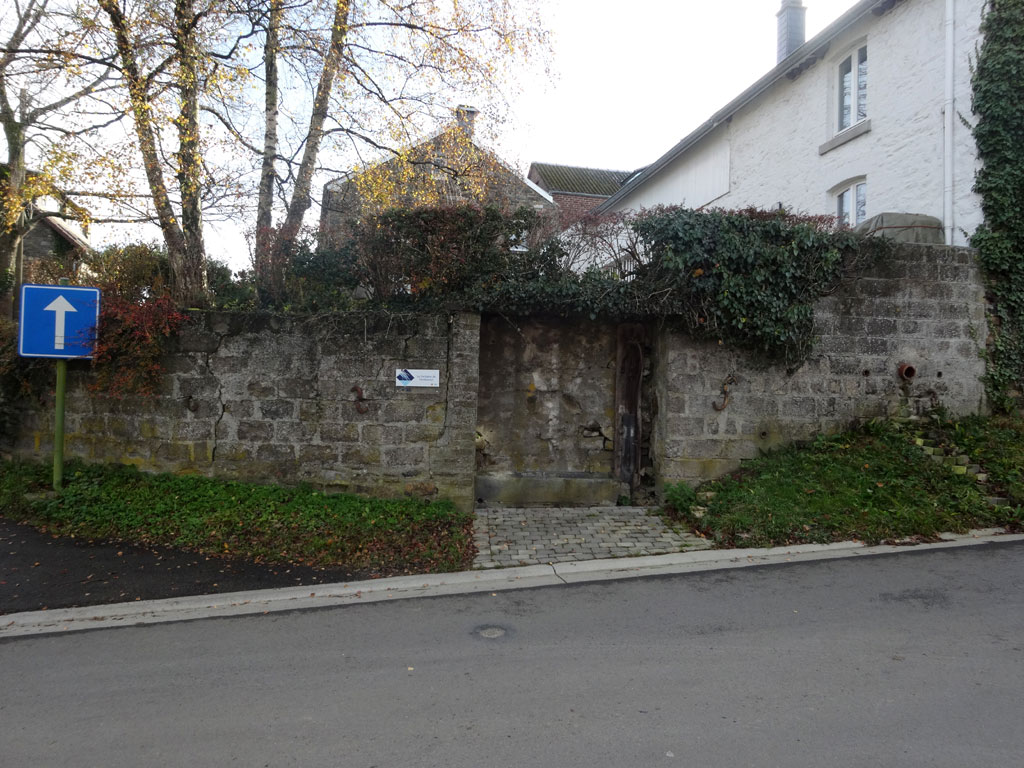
(949, 115)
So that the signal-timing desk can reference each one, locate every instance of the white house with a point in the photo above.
(864, 118)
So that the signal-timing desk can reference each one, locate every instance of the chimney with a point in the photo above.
(791, 27)
(464, 117)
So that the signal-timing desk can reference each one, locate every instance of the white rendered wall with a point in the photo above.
(695, 179)
(773, 142)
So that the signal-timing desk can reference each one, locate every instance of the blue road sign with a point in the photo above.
(58, 321)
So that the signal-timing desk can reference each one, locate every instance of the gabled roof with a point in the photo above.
(572, 180)
(62, 229)
(65, 203)
(390, 156)
(792, 66)
(427, 148)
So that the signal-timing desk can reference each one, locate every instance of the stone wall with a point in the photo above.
(270, 399)
(924, 307)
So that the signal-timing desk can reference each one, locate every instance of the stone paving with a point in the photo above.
(517, 536)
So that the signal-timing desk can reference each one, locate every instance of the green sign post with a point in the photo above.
(58, 425)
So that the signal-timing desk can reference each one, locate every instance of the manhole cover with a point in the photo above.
(492, 632)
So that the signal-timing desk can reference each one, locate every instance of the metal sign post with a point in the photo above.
(58, 425)
(58, 321)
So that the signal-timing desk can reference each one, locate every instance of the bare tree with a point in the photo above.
(165, 64)
(354, 75)
(54, 76)
(604, 241)
(379, 73)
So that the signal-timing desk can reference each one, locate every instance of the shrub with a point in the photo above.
(133, 271)
(230, 290)
(321, 281)
(433, 252)
(130, 344)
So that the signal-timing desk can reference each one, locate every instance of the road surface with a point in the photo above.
(911, 660)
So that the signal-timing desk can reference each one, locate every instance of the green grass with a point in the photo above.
(997, 443)
(871, 485)
(264, 523)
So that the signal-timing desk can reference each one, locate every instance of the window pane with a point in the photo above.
(862, 202)
(845, 93)
(862, 84)
(843, 209)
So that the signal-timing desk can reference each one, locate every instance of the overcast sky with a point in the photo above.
(637, 76)
(630, 80)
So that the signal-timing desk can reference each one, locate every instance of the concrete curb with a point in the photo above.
(493, 580)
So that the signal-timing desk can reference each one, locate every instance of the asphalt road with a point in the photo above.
(908, 660)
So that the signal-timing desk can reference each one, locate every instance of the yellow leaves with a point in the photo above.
(446, 168)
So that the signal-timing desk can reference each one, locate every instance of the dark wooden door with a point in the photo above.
(632, 341)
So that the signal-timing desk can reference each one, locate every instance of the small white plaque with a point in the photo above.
(414, 377)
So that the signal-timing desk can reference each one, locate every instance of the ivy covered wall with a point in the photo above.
(999, 132)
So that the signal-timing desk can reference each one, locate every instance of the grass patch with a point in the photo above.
(871, 485)
(997, 444)
(263, 523)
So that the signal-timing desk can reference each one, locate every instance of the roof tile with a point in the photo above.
(569, 179)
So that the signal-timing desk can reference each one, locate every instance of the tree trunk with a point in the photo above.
(301, 195)
(182, 255)
(10, 247)
(12, 235)
(189, 273)
(269, 270)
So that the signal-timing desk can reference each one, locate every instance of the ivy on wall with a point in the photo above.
(747, 278)
(998, 105)
(131, 344)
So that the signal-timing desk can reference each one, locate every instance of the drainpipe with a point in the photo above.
(949, 115)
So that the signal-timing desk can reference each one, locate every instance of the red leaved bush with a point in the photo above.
(130, 344)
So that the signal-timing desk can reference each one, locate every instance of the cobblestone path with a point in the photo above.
(517, 536)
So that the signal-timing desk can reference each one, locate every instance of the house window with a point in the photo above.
(852, 204)
(853, 88)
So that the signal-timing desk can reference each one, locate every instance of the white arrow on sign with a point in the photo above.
(59, 306)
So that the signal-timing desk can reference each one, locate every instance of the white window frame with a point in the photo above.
(836, 133)
(849, 201)
(854, 65)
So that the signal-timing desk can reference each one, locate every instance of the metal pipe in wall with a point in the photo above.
(949, 124)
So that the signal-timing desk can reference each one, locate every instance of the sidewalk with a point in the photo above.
(39, 571)
(508, 536)
(490, 580)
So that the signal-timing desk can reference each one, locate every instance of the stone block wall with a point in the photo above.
(925, 307)
(314, 400)
(294, 400)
